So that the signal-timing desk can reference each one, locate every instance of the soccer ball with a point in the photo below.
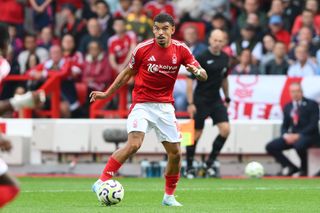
(254, 170)
(110, 192)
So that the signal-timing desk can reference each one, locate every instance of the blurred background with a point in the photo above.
(69, 48)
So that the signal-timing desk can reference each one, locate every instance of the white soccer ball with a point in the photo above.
(254, 170)
(111, 192)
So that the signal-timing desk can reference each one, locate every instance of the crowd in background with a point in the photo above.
(90, 41)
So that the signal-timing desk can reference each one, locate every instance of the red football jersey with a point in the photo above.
(120, 46)
(157, 69)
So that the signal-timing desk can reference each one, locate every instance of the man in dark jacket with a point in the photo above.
(299, 131)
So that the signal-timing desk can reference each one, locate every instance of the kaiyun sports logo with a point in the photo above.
(154, 68)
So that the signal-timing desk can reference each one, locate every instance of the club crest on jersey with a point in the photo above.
(174, 59)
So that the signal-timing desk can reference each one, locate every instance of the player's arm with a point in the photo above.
(120, 80)
(225, 89)
(198, 72)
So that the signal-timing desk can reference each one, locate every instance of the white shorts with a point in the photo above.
(160, 116)
(3, 167)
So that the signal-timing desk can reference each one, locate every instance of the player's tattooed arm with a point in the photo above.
(198, 72)
(120, 80)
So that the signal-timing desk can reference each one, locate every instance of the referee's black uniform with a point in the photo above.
(207, 93)
(208, 102)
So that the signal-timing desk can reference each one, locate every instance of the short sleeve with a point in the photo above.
(135, 59)
(188, 58)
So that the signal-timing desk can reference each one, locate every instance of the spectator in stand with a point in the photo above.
(94, 33)
(218, 21)
(277, 8)
(124, 9)
(206, 9)
(191, 38)
(46, 39)
(69, 106)
(154, 7)
(303, 66)
(249, 41)
(120, 45)
(277, 30)
(72, 24)
(139, 22)
(15, 42)
(245, 67)
(299, 131)
(71, 54)
(279, 64)
(31, 48)
(42, 13)
(251, 6)
(309, 18)
(291, 9)
(304, 37)
(253, 19)
(105, 18)
(89, 10)
(97, 72)
(267, 54)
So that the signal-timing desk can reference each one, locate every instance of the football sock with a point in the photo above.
(7, 193)
(190, 154)
(216, 148)
(171, 183)
(110, 169)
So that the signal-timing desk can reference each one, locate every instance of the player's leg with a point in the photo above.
(275, 148)
(135, 140)
(219, 116)
(199, 119)
(9, 188)
(136, 127)
(172, 173)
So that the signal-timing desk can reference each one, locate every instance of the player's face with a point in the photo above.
(163, 33)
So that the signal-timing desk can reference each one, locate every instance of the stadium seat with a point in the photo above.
(82, 92)
(115, 136)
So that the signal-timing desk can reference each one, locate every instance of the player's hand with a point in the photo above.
(95, 95)
(5, 145)
(191, 68)
(191, 110)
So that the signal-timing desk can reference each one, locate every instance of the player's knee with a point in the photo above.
(133, 147)
(225, 131)
(269, 148)
(175, 155)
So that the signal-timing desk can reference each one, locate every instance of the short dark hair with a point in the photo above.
(119, 18)
(164, 17)
(4, 36)
(104, 3)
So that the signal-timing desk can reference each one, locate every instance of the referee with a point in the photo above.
(206, 101)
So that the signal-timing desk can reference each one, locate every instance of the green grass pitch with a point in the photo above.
(45, 194)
